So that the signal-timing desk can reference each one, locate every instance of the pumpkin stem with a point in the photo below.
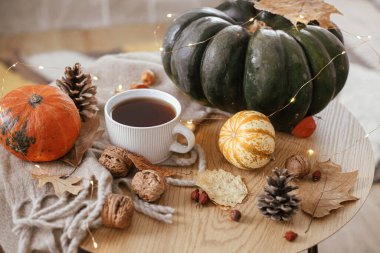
(35, 100)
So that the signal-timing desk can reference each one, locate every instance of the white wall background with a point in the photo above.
(18, 16)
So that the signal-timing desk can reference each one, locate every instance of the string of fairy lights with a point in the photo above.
(364, 39)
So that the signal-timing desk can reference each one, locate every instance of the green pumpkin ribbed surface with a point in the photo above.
(230, 67)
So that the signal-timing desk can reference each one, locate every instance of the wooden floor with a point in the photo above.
(362, 234)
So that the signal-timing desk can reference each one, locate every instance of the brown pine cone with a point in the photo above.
(78, 86)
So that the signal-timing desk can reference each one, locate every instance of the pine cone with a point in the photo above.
(276, 203)
(78, 86)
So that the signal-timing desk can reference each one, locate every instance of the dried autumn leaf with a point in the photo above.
(89, 132)
(222, 187)
(60, 185)
(302, 11)
(141, 163)
(320, 198)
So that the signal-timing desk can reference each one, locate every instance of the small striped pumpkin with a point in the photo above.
(247, 140)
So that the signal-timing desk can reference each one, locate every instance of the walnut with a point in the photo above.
(298, 165)
(117, 211)
(116, 160)
(148, 185)
(148, 77)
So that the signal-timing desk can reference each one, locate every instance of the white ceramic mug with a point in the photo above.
(155, 142)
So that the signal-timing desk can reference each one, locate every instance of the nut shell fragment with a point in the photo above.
(117, 211)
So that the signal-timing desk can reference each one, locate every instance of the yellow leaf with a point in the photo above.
(319, 198)
(60, 185)
(222, 187)
(302, 11)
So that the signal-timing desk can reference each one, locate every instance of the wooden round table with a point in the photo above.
(208, 229)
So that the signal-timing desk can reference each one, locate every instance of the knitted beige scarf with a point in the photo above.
(34, 219)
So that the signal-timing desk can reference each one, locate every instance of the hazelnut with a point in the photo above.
(135, 86)
(235, 215)
(148, 185)
(203, 198)
(298, 166)
(316, 176)
(290, 236)
(148, 77)
(195, 195)
(117, 211)
(116, 160)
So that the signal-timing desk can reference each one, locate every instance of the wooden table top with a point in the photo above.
(208, 229)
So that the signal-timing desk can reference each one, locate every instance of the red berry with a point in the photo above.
(316, 176)
(235, 215)
(290, 236)
(203, 198)
(304, 128)
(195, 195)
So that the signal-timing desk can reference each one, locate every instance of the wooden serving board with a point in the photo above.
(208, 229)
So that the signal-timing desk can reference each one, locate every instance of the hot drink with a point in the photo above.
(143, 112)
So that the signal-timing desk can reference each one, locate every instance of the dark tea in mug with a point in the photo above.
(143, 112)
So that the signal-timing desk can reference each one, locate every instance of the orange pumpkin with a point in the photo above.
(38, 123)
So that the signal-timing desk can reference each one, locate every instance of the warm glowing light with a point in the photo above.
(293, 100)
(95, 245)
(161, 49)
(344, 52)
(41, 67)
(169, 15)
(251, 19)
(119, 88)
(14, 65)
(95, 78)
(310, 152)
(360, 37)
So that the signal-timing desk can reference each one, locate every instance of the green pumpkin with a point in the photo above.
(233, 69)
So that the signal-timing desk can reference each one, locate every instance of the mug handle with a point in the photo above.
(188, 134)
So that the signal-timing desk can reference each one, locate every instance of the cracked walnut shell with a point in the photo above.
(148, 185)
(298, 166)
(148, 77)
(117, 211)
(116, 160)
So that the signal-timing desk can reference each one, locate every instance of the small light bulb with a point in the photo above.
(293, 100)
(161, 49)
(169, 15)
(95, 245)
(14, 65)
(41, 67)
(344, 52)
(95, 78)
(310, 152)
(251, 19)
